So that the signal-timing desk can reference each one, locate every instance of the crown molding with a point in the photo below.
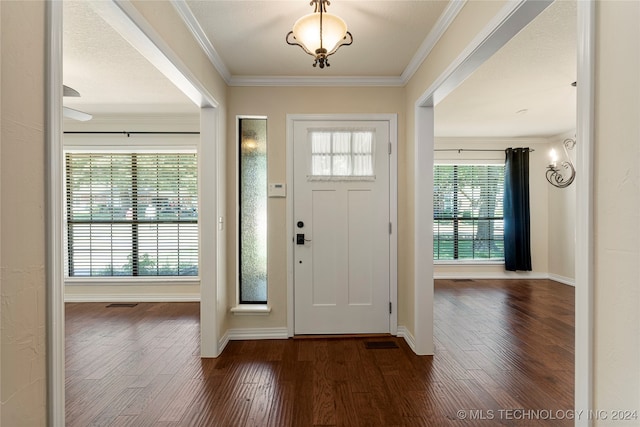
(451, 11)
(315, 81)
(490, 140)
(194, 26)
(447, 17)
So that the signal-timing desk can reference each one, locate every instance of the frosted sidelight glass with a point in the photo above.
(253, 210)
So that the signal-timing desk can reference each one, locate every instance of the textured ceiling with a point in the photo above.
(524, 90)
(249, 36)
(111, 76)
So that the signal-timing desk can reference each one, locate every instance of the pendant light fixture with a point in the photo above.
(320, 34)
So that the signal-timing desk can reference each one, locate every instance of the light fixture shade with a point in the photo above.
(306, 31)
(319, 34)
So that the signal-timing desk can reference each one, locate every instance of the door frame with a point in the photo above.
(392, 119)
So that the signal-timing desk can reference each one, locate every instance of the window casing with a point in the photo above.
(131, 214)
(467, 215)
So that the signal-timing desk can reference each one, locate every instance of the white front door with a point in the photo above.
(341, 227)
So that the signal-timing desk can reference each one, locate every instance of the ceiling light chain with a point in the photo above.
(319, 34)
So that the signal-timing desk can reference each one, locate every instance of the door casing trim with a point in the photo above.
(392, 119)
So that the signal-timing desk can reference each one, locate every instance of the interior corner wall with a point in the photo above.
(616, 298)
(223, 254)
(562, 214)
(275, 103)
(538, 196)
(23, 388)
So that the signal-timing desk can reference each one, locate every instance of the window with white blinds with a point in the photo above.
(342, 153)
(132, 214)
(467, 212)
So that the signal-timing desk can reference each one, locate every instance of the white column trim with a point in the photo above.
(55, 215)
(423, 231)
(584, 248)
(208, 162)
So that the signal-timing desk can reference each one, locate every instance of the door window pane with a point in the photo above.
(340, 153)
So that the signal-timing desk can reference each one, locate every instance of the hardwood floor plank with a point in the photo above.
(346, 409)
(281, 411)
(303, 400)
(501, 345)
(264, 396)
(175, 410)
(324, 402)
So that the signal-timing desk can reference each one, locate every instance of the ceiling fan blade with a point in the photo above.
(76, 115)
(69, 91)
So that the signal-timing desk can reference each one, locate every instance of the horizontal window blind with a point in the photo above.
(467, 207)
(132, 214)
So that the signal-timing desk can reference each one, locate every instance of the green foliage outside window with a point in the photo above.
(467, 207)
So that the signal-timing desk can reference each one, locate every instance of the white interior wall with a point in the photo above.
(23, 290)
(616, 294)
(562, 214)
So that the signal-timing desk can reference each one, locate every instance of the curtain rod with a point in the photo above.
(459, 150)
(124, 132)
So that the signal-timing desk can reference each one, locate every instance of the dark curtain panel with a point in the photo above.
(517, 233)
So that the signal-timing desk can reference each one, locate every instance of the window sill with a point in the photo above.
(468, 262)
(129, 280)
(251, 310)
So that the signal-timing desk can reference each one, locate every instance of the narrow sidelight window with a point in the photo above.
(252, 188)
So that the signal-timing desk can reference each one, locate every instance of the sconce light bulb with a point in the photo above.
(553, 155)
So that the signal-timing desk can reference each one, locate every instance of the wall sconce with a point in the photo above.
(320, 34)
(562, 174)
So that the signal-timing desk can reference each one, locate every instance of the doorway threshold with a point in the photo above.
(339, 336)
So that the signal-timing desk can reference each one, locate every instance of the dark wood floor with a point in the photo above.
(504, 356)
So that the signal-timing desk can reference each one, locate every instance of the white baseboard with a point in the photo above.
(240, 334)
(257, 334)
(491, 275)
(146, 297)
(222, 343)
(565, 280)
(409, 339)
(505, 275)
